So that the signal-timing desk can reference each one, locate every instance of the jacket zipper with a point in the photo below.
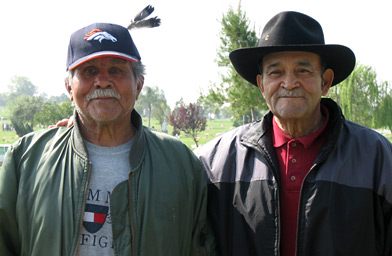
(83, 209)
(278, 209)
(299, 208)
(267, 158)
(131, 214)
(333, 134)
(300, 200)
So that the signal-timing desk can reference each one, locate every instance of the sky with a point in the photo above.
(180, 54)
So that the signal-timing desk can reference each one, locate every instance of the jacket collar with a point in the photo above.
(138, 149)
(259, 135)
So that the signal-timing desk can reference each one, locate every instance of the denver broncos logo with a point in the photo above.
(99, 35)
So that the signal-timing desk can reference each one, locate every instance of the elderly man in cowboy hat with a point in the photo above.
(303, 180)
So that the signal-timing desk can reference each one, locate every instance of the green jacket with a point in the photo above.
(160, 210)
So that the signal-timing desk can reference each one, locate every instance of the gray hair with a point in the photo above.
(139, 70)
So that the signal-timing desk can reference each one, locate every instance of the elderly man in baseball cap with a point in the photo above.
(107, 185)
(303, 180)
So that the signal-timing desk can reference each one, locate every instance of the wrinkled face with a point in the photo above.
(292, 84)
(104, 90)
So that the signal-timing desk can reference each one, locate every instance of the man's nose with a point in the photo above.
(103, 80)
(289, 81)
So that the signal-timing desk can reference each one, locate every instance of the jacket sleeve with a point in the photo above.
(387, 206)
(9, 239)
(385, 190)
(388, 249)
(203, 241)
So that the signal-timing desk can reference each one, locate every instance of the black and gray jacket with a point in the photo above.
(346, 198)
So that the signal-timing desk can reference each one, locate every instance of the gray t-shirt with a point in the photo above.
(110, 166)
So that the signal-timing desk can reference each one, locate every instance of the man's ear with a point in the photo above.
(259, 79)
(139, 86)
(327, 81)
(68, 87)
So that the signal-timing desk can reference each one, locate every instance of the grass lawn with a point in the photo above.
(213, 128)
(7, 137)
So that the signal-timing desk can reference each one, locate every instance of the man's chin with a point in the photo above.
(104, 117)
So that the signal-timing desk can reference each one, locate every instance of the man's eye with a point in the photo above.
(90, 70)
(303, 71)
(274, 72)
(116, 70)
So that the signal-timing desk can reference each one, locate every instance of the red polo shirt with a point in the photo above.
(295, 157)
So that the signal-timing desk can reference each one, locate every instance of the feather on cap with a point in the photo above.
(140, 19)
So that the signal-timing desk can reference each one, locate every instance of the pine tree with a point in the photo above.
(242, 97)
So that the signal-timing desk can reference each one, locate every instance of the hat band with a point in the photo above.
(102, 54)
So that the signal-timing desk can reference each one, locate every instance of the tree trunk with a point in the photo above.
(149, 115)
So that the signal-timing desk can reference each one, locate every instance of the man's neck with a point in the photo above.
(107, 135)
(298, 128)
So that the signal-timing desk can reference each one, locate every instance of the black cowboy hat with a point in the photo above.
(293, 31)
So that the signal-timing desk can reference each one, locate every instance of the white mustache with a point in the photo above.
(100, 93)
(290, 93)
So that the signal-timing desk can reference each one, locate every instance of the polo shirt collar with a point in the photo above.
(280, 138)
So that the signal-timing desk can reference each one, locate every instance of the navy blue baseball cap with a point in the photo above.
(98, 40)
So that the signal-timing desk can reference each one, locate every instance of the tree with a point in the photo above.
(21, 86)
(3, 99)
(23, 109)
(153, 100)
(59, 99)
(188, 120)
(384, 109)
(359, 95)
(242, 97)
(26, 110)
(51, 112)
(162, 113)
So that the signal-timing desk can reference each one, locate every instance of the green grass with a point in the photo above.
(213, 128)
(7, 137)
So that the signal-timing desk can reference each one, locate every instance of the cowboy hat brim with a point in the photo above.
(339, 58)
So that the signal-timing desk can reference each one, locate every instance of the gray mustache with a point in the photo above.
(99, 93)
(288, 93)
